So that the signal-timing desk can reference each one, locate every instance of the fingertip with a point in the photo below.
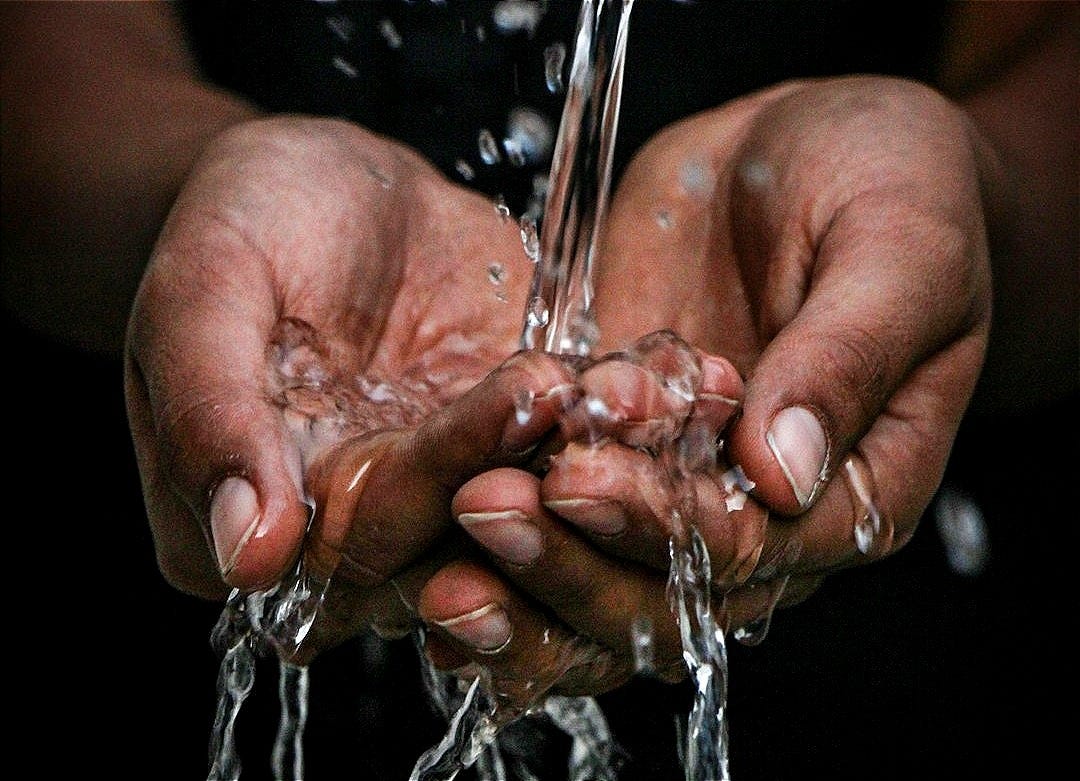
(255, 539)
(719, 377)
(786, 456)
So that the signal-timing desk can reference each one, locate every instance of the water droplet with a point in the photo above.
(530, 238)
(596, 408)
(465, 170)
(345, 66)
(538, 312)
(514, 152)
(342, 27)
(554, 58)
(501, 208)
(867, 517)
(756, 174)
(540, 184)
(481, 33)
(511, 16)
(496, 273)
(529, 137)
(963, 532)
(696, 177)
(582, 334)
(664, 219)
(523, 406)
(753, 633)
(489, 147)
(390, 34)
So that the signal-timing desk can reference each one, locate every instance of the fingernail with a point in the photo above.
(797, 440)
(486, 629)
(234, 516)
(507, 534)
(593, 515)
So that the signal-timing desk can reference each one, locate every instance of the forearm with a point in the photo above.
(103, 116)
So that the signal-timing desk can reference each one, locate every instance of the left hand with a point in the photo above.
(828, 237)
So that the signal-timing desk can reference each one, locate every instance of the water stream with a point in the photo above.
(558, 318)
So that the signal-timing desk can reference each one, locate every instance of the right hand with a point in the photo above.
(319, 302)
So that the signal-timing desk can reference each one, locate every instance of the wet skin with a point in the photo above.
(838, 275)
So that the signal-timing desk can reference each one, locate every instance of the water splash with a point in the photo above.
(273, 621)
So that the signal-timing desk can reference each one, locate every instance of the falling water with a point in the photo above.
(558, 318)
(579, 184)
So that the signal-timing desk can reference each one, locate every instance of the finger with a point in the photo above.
(854, 282)
(622, 501)
(184, 557)
(383, 500)
(646, 396)
(207, 429)
(390, 609)
(479, 617)
(594, 594)
(873, 504)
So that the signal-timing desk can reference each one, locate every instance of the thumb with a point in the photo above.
(219, 468)
(891, 288)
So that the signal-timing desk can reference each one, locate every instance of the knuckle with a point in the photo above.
(857, 364)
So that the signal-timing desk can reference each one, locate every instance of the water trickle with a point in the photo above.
(530, 238)
(580, 177)
(867, 518)
(287, 758)
(276, 621)
(754, 632)
(643, 643)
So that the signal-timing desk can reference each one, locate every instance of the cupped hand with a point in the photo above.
(829, 238)
(323, 338)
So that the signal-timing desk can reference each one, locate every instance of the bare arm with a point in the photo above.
(1013, 67)
(103, 115)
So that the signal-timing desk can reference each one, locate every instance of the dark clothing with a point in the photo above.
(455, 73)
